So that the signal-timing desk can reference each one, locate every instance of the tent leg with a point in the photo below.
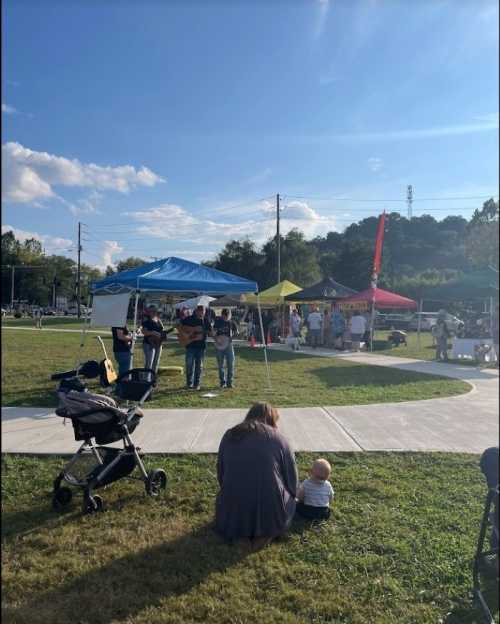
(83, 335)
(372, 328)
(420, 308)
(134, 333)
(264, 343)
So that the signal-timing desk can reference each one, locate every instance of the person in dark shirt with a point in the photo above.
(224, 330)
(122, 343)
(152, 328)
(195, 350)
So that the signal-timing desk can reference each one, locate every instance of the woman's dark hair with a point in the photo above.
(258, 415)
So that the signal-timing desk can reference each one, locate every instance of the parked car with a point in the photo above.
(429, 319)
(393, 321)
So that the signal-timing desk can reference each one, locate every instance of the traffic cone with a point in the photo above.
(252, 341)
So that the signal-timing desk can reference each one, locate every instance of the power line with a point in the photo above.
(354, 199)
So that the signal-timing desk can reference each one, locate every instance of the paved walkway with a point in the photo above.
(466, 423)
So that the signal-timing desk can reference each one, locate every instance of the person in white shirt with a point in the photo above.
(316, 493)
(314, 322)
(358, 328)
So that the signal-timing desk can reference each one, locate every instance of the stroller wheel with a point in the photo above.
(156, 481)
(62, 497)
(92, 504)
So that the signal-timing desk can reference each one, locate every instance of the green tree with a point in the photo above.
(299, 261)
(125, 265)
(481, 243)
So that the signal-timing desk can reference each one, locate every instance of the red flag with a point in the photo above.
(379, 241)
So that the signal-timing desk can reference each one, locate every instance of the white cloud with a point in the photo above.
(29, 175)
(109, 249)
(260, 177)
(52, 244)
(8, 110)
(173, 222)
(375, 164)
(489, 124)
(322, 14)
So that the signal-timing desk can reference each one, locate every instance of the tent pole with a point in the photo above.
(492, 318)
(83, 335)
(264, 343)
(419, 320)
(134, 333)
(372, 328)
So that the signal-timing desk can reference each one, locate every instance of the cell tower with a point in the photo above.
(409, 199)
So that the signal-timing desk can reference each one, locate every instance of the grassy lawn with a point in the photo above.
(55, 322)
(398, 549)
(29, 358)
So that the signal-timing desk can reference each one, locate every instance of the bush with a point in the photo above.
(17, 315)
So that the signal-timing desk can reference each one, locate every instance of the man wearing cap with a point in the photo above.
(195, 350)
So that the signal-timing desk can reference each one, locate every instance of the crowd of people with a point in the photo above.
(332, 328)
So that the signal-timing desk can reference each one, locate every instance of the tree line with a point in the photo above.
(417, 253)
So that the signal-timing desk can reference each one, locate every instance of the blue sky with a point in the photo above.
(168, 127)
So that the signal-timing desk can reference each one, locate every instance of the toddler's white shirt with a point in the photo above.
(317, 493)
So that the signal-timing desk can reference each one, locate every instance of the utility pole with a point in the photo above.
(278, 238)
(409, 199)
(78, 269)
(13, 268)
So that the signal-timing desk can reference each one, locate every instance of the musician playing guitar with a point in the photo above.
(193, 332)
(153, 332)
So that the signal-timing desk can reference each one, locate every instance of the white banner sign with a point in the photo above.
(110, 310)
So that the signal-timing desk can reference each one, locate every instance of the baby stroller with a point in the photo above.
(98, 420)
(486, 561)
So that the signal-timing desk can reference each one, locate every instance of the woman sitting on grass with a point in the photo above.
(258, 479)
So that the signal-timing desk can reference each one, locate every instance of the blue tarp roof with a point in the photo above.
(175, 275)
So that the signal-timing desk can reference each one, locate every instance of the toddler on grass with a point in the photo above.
(316, 493)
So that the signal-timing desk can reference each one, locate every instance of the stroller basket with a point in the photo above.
(135, 384)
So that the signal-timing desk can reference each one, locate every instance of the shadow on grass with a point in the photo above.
(471, 613)
(123, 587)
(367, 375)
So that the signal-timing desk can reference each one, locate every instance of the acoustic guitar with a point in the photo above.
(156, 340)
(107, 371)
(188, 334)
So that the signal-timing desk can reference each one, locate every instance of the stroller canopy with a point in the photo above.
(175, 275)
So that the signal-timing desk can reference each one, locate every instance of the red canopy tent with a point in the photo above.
(380, 298)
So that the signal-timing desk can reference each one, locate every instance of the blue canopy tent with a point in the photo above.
(175, 275)
(178, 277)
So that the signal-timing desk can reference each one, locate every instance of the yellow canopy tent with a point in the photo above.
(275, 295)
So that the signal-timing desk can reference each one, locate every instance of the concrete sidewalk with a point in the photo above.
(467, 423)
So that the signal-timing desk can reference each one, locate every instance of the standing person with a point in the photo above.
(296, 326)
(258, 479)
(38, 316)
(338, 327)
(441, 333)
(152, 328)
(327, 328)
(314, 322)
(225, 329)
(122, 345)
(195, 350)
(358, 328)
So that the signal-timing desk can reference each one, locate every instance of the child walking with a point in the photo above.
(316, 493)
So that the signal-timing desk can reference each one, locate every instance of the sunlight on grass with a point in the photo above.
(29, 358)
